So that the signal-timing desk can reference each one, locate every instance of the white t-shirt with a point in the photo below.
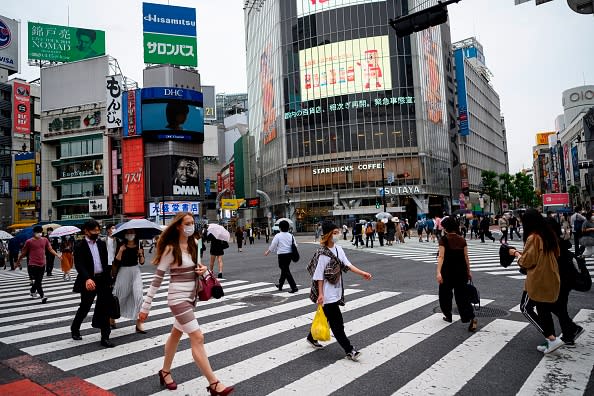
(332, 292)
(111, 249)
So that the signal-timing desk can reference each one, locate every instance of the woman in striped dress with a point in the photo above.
(177, 252)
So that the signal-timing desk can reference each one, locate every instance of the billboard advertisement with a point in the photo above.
(172, 208)
(113, 101)
(169, 34)
(463, 122)
(9, 44)
(174, 175)
(555, 199)
(543, 138)
(133, 176)
(64, 43)
(267, 84)
(172, 113)
(308, 7)
(209, 103)
(429, 42)
(346, 67)
(25, 182)
(131, 113)
(21, 108)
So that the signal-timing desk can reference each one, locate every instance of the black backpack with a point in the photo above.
(582, 281)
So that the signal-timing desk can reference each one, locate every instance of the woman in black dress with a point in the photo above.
(217, 248)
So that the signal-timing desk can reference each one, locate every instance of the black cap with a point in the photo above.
(328, 226)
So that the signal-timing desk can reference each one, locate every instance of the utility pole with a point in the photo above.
(384, 189)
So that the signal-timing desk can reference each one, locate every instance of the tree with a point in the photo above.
(490, 185)
(506, 188)
(525, 190)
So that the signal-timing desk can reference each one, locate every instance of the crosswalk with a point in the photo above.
(484, 257)
(255, 340)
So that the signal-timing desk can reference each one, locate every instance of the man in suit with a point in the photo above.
(94, 279)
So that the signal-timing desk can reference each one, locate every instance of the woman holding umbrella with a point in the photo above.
(67, 259)
(218, 237)
(128, 284)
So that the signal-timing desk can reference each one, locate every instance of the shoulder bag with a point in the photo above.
(208, 286)
(294, 251)
(113, 307)
(473, 294)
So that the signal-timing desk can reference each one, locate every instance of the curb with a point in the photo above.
(23, 374)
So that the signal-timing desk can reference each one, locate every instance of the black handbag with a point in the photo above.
(582, 281)
(473, 294)
(113, 307)
(294, 251)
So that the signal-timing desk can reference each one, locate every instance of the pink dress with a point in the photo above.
(181, 297)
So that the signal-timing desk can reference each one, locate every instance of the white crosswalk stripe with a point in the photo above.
(484, 257)
(257, 333)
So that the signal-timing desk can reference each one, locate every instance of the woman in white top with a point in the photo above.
(177, 253)
(281, 245)
(326, 288)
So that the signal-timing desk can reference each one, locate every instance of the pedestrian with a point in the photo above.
(35, 248)
(513, 227)
(369, 231)
(93, 279)
(429, 228)
(112, 249)
(405, 229)
(437, 228)
(345, 231)
(565, 227)
(326, 269)
(380, 228)
(317, 232)
(453, 272)
(13, 253)
(49, 257)
(542, 284)
(576, 221)
(358, 233)
(251, 235)
(390, 232)
(267, 233)
(474, 228)
(177, 253)
(128, 283)
(217, 250)
(282, 246)
(587, 239)
(503, 227)
(484, 229)
(239, 238)
(420, 226)
(67, 260)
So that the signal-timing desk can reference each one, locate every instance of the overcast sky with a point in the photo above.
(534, 53)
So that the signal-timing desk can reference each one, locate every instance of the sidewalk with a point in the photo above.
(25, 375)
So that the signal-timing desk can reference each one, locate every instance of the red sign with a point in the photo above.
(21, 108)
(219, 182)
(555, 199)
(133, 176)
(252, 202)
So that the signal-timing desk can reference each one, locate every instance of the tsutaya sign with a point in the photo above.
(346, 168)
(400, 190)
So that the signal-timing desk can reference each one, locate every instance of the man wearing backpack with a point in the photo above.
(369, 234)
(577, 221)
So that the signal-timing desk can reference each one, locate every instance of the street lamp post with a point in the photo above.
(384, 189)
(450, 185)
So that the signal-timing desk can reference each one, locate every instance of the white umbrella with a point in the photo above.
(291, 224)
(383, 215)
(144, 228)
(64, 230)
(219, 232)
(5, 235)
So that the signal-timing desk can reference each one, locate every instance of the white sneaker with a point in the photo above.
(33, 295)
(542, 347)
(553, 345)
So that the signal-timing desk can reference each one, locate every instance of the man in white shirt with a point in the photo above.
(577, 220)
(282, 245)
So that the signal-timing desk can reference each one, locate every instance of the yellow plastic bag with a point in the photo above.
(320, 330)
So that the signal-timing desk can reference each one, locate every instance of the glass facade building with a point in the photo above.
(345, 112)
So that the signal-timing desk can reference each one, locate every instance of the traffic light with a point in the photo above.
(377, 204)
(417, 21)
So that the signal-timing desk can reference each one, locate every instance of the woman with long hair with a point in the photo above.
(326, 269)
(177, 252)
(541, 288)
(128, 285)
(67, 261)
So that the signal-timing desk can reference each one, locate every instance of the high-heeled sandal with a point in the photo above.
(224, 392)
(172, 385)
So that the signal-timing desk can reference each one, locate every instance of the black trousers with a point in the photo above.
(100, 317)
(36, 273)
(336, 322)
(559, 308)
(541, 318)
(358, 240)
(503, 236)
(487, 233)
(461, 295)
(12, 257)
(284, 261)
(511, 233)
(576, 241)
(380, 237)
(367, 239)
(49, 263)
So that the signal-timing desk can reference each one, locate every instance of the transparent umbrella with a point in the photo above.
(291, 224)
(383, 215)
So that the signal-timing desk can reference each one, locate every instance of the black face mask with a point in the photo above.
(93, 237)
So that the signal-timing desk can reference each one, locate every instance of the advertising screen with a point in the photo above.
(174, 175)
(307, 7)
(64, 43)
(133, 176)
(346, 67)
(22, 108)
(9, 44)
(172, 114)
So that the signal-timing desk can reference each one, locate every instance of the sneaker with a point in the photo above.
(314, 343)
(579, 330)
(542, 347)
(553, 345)
(570, 341)
(33, 295)
(353, 355)
(44, 300)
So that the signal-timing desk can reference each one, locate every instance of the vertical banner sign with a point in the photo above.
(131, 115)
(169, 34)
(232, 176)
(113, 101)
(219, 182)
(21, 108)
(575, 165)
(9, 44)
(133, 176)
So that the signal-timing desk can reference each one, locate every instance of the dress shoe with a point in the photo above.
(140, 331)
(214, 392)
(278, 286)
(164, 374)
(220, 275)
(293, 290)
(106, 343)
(76, 336)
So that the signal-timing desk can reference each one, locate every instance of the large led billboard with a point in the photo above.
(346, 67)
(174, 175)
(64, 43)
(172, 114)
(133, 176)
(9, 44)
(307, 7)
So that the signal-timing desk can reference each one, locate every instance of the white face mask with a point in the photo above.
(189, 230)
(130, 237)
(335, 238)
(38, 235)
